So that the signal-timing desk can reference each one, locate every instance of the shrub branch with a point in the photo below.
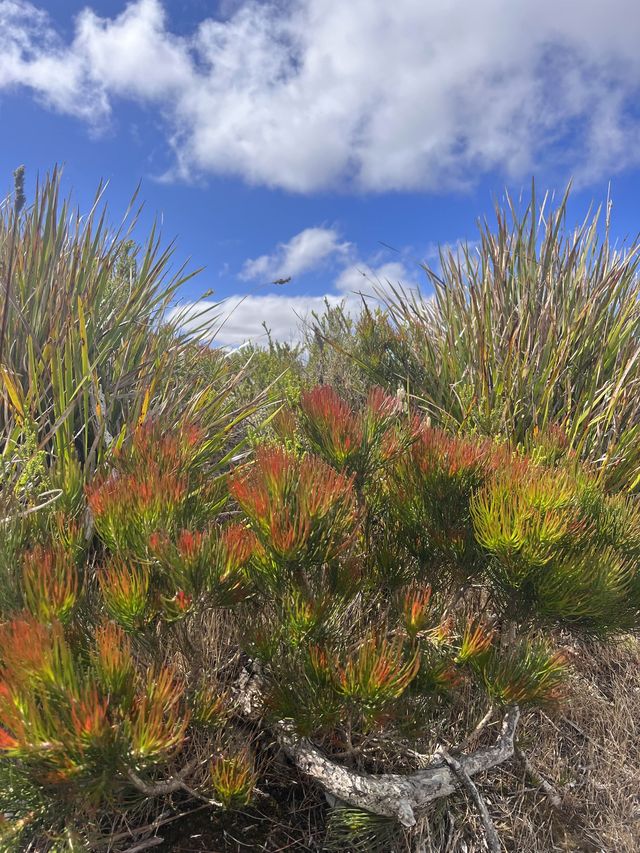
(390, 794)
(493, 842)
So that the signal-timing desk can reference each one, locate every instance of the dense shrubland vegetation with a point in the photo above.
(530, 328)
(225, 585)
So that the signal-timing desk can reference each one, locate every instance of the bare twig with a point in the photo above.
(171, 786)
(145, 845)
(55, 494)
(536, 779)
(131, 832)
(493, 842)
(480, 727)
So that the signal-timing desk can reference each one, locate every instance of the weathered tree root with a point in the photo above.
(390, 794)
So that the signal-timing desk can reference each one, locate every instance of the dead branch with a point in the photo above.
(169, 786)
(551, 793)
(493, 842)
(390, 794)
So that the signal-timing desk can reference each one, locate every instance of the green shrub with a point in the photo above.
(375, 576)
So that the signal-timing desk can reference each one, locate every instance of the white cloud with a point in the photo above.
(33, 56)
(310, 94)
(302, 253)
(243, 319)
(239, 319)
(133, 55)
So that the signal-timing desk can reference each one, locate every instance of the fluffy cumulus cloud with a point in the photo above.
(314, 94)
(304, 252)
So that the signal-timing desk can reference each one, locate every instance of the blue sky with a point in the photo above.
(297, 137)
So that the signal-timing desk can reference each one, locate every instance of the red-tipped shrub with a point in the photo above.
(367, 595)
(50, 583)
(210, 564)
(301, 510)
(125, 591)
(345, 438)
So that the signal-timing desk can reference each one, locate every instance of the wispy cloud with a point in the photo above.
(311, 94)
